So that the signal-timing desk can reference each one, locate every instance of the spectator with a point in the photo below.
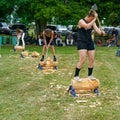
(69, 39)
(115, 33)
(59, 39)
(114, 38)
(32, 40)
(40, 39)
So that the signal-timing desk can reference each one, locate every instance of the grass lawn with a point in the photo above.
(26, 93)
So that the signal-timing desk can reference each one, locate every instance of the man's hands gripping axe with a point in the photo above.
(94, 7)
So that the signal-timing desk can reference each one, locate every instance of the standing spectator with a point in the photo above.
(115, 34)
(20, 35)
(85, 44)
(48, 36)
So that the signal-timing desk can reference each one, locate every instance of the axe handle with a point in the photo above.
(99, 23)
(46, 52)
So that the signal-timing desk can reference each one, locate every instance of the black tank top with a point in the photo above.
(48, 37)
(84, 35)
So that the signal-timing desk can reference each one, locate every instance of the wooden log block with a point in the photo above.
(19, 48)
(86, 85)
(35, 54)
(24, 54)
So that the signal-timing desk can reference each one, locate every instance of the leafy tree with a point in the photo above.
(64, 12)
(5, 8)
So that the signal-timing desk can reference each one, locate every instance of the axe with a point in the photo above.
(94, 7)
(46, 52)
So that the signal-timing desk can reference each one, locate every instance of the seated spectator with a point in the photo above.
(69, 39)
(110, 42)
(114, 38)
(40, 39)
(32, 40)
(59, 39)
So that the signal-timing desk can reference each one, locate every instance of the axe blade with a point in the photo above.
(94, 7)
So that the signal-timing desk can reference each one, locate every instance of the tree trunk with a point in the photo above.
(40, 26)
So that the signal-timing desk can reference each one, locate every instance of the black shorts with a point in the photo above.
(85, 45)
(52, 43)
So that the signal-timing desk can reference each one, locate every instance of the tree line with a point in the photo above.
(65, 12)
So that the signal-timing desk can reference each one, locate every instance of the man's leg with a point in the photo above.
(39, 42)
(23, 42)
(116, 41)
(53, 52)
(82, 58)
(71, 42)
(43, 53)
(18, 40)
(91, 55)
(67, 42)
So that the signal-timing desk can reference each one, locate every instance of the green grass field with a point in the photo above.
(26, 93)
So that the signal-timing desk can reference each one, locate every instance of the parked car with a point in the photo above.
(108, 30)
(18, 26)
(4, 29)
(59, 29)
(52, 27)
(62, 30)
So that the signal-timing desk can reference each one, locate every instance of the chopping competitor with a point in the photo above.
(20, 35)
(48, 36)
(85, 44)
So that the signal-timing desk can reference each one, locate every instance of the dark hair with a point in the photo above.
(91, 13)
(48, 32)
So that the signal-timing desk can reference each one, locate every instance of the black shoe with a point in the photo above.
(54, 59)
(42, 59)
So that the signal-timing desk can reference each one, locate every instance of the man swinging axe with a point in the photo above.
(85, 44)
(48, 36)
